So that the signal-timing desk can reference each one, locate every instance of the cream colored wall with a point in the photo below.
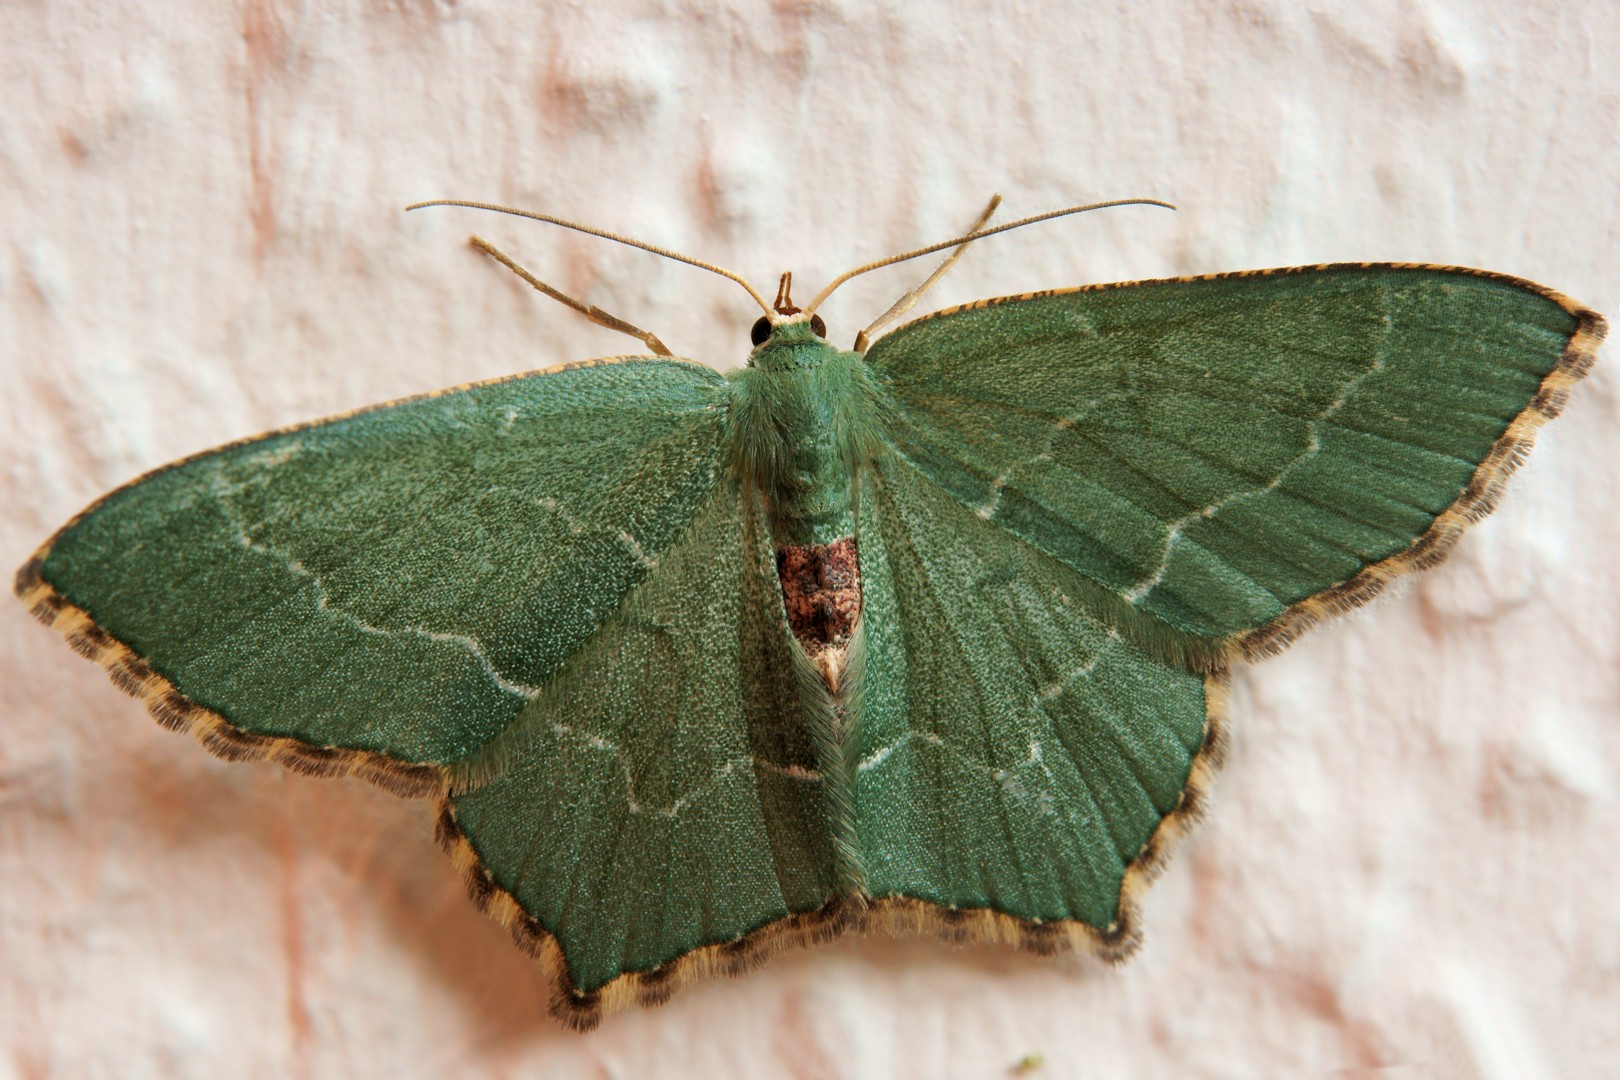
(1410, 864)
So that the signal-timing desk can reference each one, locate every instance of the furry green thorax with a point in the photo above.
(805, 416)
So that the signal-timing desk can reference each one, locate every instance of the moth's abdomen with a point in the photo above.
(821, 590)
(804, 417)
(813, 524)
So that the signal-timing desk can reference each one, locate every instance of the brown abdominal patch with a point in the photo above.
(821, 589)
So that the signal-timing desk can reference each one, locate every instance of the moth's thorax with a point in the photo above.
(805, 422)
(802, 422)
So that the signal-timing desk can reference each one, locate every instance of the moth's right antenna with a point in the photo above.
(957, 241)
(905, 303)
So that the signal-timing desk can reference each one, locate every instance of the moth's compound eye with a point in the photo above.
(761, 331)
(817, 327)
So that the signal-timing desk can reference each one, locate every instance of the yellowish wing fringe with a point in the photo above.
(219, 736)
(1477, 500)
(899, 916)
(895, 915)
(174, 710)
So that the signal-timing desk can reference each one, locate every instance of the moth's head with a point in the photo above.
(786, 337)
(787, 341)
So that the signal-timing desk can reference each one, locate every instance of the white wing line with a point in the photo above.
(730, 765)
(224, 490)
(1138, 592)
(988, 508)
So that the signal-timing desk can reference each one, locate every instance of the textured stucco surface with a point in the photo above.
(1409, 869)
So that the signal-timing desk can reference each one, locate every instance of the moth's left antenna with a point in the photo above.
(615, 237)
(590, 311)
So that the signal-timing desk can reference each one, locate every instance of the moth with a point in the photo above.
(931, 636)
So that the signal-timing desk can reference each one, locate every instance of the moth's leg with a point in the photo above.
(590, 311)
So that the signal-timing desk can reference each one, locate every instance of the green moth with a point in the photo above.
(931, 636)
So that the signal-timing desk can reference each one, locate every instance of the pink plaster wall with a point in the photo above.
(1410, 869)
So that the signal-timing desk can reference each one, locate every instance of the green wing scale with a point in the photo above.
(374, 582)
(660, 793)
(555, 602)
(1228, 457)
(1018, 755)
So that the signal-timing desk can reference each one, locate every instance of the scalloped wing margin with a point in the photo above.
(507, 514)
(899, 916)
(1231, 457)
